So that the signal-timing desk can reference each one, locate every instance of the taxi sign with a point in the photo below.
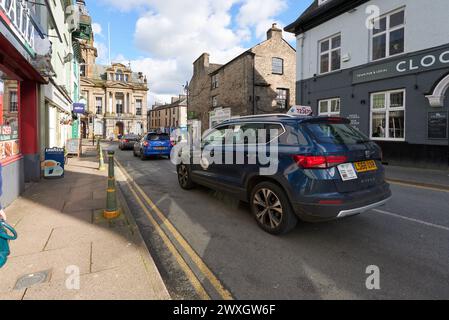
(300, 111)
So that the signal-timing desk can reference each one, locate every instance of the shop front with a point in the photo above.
(19, 96)
(58, 105)
(401, 103)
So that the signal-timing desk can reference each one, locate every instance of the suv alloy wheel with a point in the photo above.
(184, 179)
(271, 209)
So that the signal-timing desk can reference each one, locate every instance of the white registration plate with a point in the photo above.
(347, 172)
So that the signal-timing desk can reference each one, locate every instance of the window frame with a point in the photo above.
(387, 111)
(215, 100)
(329, 53)
(214, 81)
(16, 102)
(141, 107)
(387, 33)
(329, 112)
(287, 98)
(282, 66)
(97, 106)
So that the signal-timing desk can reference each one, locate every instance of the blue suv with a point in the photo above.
(324, 169)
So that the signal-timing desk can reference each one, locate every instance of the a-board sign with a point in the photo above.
(73, 146)
(53, 164)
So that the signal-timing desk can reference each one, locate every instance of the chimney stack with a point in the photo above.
(274, 32)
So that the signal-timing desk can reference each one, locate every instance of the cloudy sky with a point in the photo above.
(162, 38)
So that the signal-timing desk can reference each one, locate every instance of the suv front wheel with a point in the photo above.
(184, 178)
(271, 209)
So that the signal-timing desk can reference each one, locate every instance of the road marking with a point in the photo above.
(179, 259)
(412, 220)
(225, 294)
(417, 186)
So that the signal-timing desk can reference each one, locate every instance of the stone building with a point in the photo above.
(260, 80)
(114, 95)
(169, 116)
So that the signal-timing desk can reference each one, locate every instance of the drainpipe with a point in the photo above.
(300, 39)
(254, 85)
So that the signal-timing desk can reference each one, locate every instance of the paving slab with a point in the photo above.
(60, 225)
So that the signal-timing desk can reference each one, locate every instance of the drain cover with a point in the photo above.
(32, 279)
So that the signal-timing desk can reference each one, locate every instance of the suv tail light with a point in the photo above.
(319, 162)
(125, 141)
(146, 144)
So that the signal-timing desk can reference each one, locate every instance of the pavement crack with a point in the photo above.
(48, 240)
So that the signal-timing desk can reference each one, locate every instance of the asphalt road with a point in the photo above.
(408, 240)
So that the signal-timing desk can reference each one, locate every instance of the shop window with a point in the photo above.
(329, 107)
(388, 115)
(330, 54)
(282, 98)
(388, 35)
(9, 119)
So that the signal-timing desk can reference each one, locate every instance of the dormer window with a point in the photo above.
(119, 76)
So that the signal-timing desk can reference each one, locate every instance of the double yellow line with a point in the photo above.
(194, 257)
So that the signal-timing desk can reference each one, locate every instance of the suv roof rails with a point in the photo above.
(280, 115)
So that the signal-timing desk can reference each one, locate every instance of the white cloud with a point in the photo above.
(174, 33)
(97, 29)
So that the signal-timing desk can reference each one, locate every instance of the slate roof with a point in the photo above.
(316, 15)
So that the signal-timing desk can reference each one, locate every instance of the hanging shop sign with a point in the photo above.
(53, 164)
(412, 63)
(79, 108)
(16, 16)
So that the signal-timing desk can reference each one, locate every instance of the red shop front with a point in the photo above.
(19, 112)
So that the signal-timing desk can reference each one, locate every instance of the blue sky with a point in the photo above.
(163, 37)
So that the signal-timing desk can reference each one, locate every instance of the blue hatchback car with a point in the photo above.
(324, 169)
(153, 144)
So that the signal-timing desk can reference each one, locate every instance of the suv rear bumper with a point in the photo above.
(359, 202)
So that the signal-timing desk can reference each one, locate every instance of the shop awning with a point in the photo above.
(16, 64)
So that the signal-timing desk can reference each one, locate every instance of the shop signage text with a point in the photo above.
(412, 64)
(16, 16)
(79, 108)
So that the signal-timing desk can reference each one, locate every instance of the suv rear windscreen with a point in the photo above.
(158, 137)
(336, 133)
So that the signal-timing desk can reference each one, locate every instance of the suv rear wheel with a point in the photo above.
(271, 209)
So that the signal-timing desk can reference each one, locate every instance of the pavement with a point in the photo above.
(438, 179)
(82, 256)
(221, 245)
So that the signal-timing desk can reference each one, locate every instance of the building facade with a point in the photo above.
(62, 90)
(384, 64)
(114, 96)
(23, 69)
(260, 80)
(169, 117)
